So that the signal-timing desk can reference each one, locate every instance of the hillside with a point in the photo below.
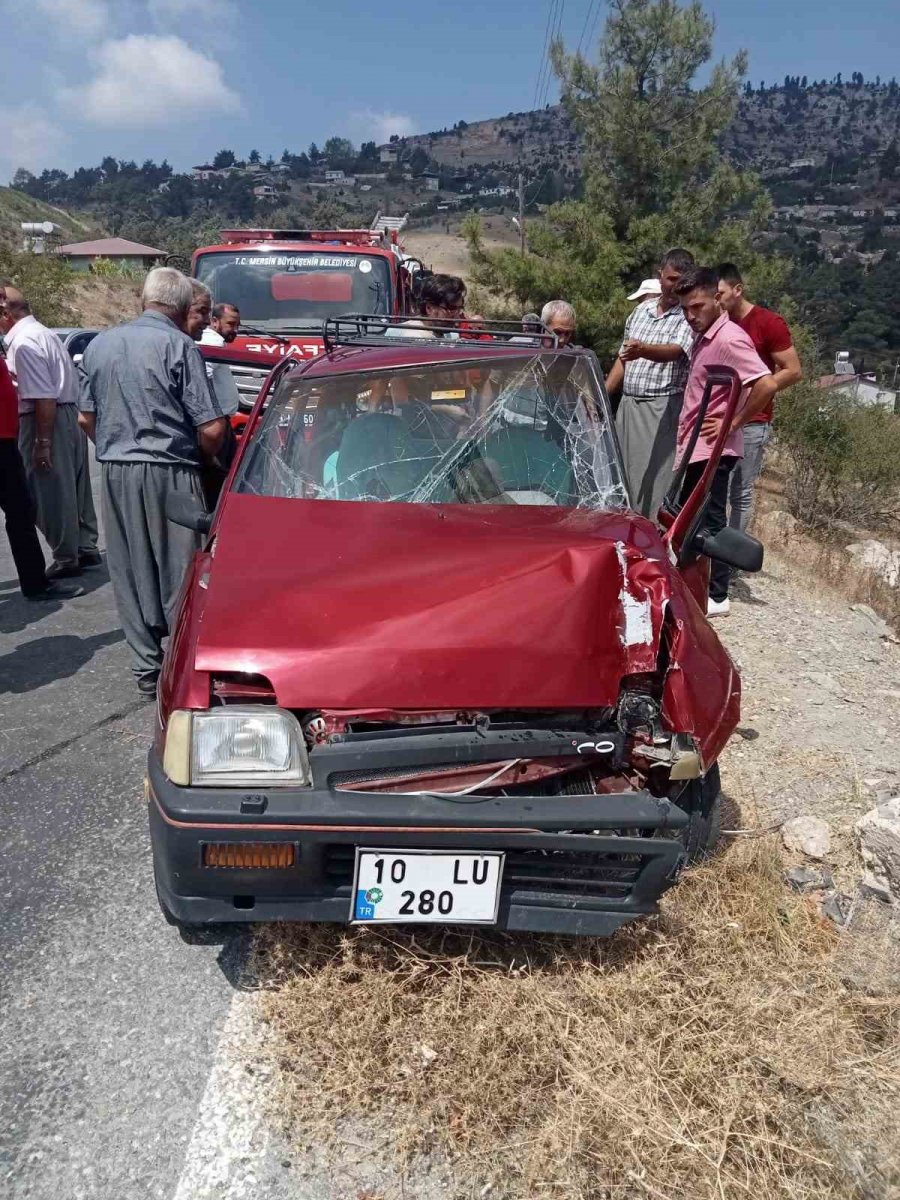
(774, 127)
(16, 207)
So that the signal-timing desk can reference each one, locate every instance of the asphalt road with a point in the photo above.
(110, 1021)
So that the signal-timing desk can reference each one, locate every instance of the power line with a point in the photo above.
(587, 17)
(543, 62)
(538, 186)
(594, 29)
(549, 77)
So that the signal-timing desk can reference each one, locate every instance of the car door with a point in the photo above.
(683, 517)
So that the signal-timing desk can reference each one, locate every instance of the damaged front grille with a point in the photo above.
(566, 871)
(346, 779)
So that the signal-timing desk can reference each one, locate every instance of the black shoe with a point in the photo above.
(146, 685)
(90, 558)
(56, 591)
(62, 571)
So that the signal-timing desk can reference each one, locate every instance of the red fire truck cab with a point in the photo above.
(287, 282)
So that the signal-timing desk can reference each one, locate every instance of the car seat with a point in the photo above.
(379, 459)
(529, 462)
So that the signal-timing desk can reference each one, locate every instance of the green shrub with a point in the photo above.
(842, 458)
(105, 268)
(46, 281)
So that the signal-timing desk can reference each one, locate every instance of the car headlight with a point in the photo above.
(235, 746)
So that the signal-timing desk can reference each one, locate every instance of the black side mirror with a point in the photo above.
(733, 547)
(188, 511)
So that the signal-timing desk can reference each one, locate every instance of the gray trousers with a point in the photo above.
(146, 554)
(647, 429)
(746, 473)
(63, 502)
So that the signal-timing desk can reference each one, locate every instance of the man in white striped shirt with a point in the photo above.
(651, 372)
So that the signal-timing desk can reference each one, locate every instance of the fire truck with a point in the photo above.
(287, 282)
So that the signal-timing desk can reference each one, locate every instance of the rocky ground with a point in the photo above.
(819, 728)
(819, 741)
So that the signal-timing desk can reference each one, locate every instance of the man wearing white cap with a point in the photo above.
(651, 372)
(649, 288)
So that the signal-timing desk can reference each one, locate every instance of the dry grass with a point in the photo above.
(712, 1052)
(100, 302)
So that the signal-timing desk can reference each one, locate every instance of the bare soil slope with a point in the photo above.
(101, 302)
(442, 247)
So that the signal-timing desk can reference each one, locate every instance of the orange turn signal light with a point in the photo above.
(250, 855)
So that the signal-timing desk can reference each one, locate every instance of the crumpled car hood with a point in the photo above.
(353, 605)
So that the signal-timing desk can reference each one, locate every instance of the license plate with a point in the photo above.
(427, 886)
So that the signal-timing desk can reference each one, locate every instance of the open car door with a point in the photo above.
(684, 517)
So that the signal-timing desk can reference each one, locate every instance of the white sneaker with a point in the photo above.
(718, 608)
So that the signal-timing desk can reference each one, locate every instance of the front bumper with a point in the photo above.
(574, 864)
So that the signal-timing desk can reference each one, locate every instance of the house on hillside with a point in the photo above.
(132, 255)
(335, 176)
(432, 181)
(864, 389)
(205, 171)
(264, 191)
(388, 153)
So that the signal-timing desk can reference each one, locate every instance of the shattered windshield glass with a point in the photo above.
(521, 431)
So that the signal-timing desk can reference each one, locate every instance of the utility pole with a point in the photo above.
(521, 213)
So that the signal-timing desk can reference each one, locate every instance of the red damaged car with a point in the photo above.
(429, 665)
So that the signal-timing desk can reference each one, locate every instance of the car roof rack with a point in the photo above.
(367, 329)
(345, 237)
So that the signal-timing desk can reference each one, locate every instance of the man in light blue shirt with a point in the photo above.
(146, 403)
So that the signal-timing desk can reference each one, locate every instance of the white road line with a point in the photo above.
(230, 1139)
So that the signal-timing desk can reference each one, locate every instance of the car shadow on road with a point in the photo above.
(35, 664)
(17, 613)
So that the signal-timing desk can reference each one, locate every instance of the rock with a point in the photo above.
(427, 1054)
(782, 524)
(826, 682)
(805, 879)
(878, 833)
(836, 907)
(877, 557)
(866, 610)
(807, 835)
(875, 624)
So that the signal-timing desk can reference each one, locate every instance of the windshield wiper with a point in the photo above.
(255, 331)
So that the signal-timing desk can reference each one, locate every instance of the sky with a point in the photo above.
(179, 79)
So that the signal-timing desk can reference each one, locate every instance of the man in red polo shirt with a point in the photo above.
(15, 502)
(775, 346)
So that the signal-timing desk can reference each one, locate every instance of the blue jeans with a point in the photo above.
(746, 473)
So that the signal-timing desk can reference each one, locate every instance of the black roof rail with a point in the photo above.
(368, 329)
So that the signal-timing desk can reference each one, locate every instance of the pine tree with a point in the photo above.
(653, 174)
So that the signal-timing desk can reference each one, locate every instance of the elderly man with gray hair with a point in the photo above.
(559, 318)
(146, 403)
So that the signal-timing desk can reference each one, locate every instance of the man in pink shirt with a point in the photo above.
(718, 342)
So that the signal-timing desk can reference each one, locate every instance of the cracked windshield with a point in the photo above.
(531, 431)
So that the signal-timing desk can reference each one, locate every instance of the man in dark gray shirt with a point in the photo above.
(146, 403)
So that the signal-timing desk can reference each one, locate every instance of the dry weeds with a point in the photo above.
(712, 1052)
